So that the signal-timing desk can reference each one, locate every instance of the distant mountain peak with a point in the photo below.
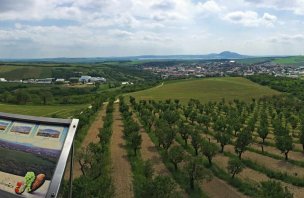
(228, 53)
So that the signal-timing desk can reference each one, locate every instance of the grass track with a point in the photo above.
(63, 111)
(208, 89)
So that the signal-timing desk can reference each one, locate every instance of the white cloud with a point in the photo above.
(209, 6)
(287, 38)
(295, 6)
(129, 27)
(250, 18)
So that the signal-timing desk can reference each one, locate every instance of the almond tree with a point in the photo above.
(263, 132)
(176, 155)
(243, 140)
(196, 141)
(235, 166)
(196, 170)
(284, 144)
(185, 132)
(209, 149)
(302, 133)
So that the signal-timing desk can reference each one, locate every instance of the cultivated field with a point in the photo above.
(209, 89)
(225, 124)
(62, 111)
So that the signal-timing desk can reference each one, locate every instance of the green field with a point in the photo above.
(293, 60)
(209, 89)
(62, 111)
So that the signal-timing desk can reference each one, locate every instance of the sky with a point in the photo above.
(102, 28)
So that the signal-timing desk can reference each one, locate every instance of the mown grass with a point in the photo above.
(62, 111)
(205, 90)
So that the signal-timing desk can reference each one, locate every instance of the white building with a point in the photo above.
(98, 79)
(3, 80)
(90, 79)
(85, 79)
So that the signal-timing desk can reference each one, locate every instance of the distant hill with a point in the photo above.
(222, 55)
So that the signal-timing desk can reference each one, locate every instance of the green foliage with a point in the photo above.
(196, 141)
(269, 189)
(243, 140)
(185, 132)
(160, 186)
(176, 155)
(235, 166)
(94, 161)
(283, 84)
(224, 138)
(284, 144)
(196, 171)
(209, 149)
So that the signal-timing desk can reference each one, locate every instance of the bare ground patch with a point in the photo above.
(91, 137)
(121, 173)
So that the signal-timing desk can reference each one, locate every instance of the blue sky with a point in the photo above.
(97, 28)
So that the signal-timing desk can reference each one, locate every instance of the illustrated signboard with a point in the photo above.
(33, 154)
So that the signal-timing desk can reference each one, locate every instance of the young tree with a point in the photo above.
(22, 97)
(187, 112)
(132, 100)
(176, 155)
(85, 159)
(206, 121)
(196, 170)
(209, 149)
(46, 97)
(284, 144)
(224, 138)
(270, 189)
(235, 166)
(148, 169)
(263, 132)
(165, 135)
(193, 116)
(243, 140)
(160, 186)
(302, 133)
(171, 117)
(135, 141)
(160, 136)
(185, 131)
(196, 141)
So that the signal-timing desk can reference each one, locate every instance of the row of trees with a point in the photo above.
(94, 161)
(131, 128)
(232, 123)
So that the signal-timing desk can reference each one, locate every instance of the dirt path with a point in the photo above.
(270, 163)
(121, 173)
(217, 188)
(149, 152)
(298, 156)
(91, 137)
(253, 176)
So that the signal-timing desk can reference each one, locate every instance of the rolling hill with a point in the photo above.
(209, 89)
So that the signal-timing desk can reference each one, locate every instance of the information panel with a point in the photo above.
(31, 149)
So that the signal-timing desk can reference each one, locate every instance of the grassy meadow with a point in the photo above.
(208, 89)
(62, 111)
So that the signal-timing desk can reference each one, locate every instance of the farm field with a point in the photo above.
(62, 111)
(294, 60)
(209, 89)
